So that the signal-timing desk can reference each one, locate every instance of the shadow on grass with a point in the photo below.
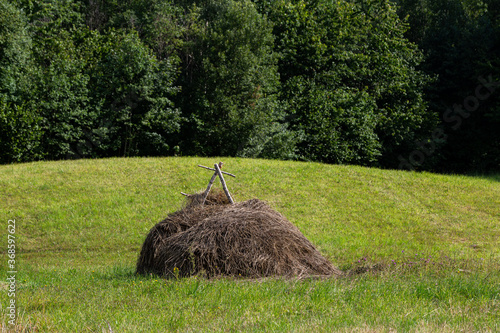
(121, 273)
(492, 177)
(411, 264)
(438, 266)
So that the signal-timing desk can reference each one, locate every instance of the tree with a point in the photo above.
(354, 53)
(339, 124)
(229, 83)
(98, 92)
(461, 43)
(131, 92)
(59, 88)
(19, 130)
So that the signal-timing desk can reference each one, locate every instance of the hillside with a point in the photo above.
(80, 225)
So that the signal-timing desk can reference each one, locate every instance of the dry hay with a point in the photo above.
(247, 239)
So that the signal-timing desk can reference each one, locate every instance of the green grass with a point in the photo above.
(430, 245)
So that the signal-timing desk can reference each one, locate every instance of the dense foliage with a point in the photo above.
(369, 82)
(461, 41)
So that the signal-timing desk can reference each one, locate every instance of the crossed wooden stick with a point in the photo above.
(218, 172)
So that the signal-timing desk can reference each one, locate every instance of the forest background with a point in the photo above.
(407, 84)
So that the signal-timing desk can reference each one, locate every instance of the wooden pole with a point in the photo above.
(216, 166)
(205, 194)
(226, 173)
(218, 172)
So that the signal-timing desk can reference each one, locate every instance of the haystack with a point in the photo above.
(215, 238)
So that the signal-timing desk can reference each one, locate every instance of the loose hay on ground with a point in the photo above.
(247, 239)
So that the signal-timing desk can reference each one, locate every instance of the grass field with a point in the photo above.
(421, 251)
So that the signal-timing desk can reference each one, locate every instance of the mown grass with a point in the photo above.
(422, 250)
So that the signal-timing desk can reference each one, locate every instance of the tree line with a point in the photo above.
(396, 84)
